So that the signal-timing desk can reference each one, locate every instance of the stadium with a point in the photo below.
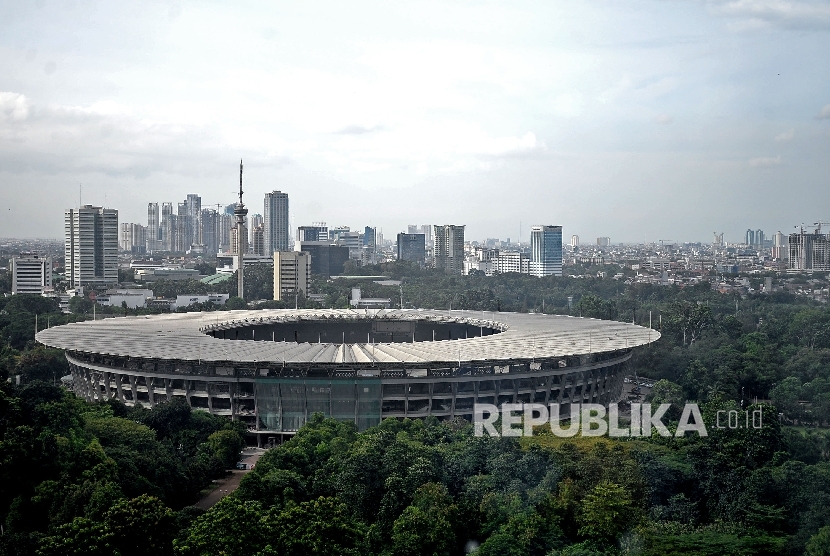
(272, 369)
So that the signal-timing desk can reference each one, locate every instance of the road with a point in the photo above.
(230, 483)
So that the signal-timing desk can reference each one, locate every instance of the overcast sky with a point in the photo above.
(635, 120)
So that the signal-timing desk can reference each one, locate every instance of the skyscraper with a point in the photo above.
(750, 237)
(167, 235)
(91, 246)
(546, 250)
(209, 223)
(153, 227)
(449, 248)
(194, 213)
(275, 221)
(292, 274)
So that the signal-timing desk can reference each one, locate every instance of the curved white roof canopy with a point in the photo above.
(181, 336)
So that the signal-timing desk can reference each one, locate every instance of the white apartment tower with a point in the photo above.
(275, 222)
(91, 246)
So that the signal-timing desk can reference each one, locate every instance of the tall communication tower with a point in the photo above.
(240, 211)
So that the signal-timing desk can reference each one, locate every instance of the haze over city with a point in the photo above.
(638, 121)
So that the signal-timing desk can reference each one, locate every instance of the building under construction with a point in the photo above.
(809, 250)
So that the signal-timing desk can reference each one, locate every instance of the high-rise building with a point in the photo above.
(412, 247)
(31, 273)
(258, 241)
(318, 231)
(91, 246)
(425, 229)
(153, 229)
(717, 240)
(449, 248)
(226, 222)
(603, 241)
(759, 238)
(133, 238)
(233, 248)
(194, 214)
(184, 229)
(275, 221)
(574, 241)
(326, 259)
(292, 274)
(209, 222)
(254, 221)
(546, 250)
(809, 251)
(167, 235)
(370, 236)
(780, 247)
(749, 238)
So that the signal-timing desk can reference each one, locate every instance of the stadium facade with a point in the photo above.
(273, 369)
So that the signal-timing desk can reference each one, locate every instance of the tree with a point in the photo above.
(225, 445)
(819, 544)
(319, 527)
(606, 512)
(81, 537)
(426, 526)
(143, 525)
(230, 528)
(235, 303)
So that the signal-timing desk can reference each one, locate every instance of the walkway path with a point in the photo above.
(230, 483)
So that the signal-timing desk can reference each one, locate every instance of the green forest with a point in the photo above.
(84, 478)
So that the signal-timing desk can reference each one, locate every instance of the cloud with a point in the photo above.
(825, 112)
(14, 107)
(754, 14)
(764, 161)
(785, 136)
(568, 105)
(359, 130)
(664, 119)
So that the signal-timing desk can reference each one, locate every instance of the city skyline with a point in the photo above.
(632, 121)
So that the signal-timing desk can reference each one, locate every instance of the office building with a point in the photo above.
(603, 241)
(31, 273)
(292, 274)
(512, 261)
(546, 250)
(326, 259)
(449, 248)
(412, 247)
(318, 231)
(184, 230)
(370, 237)
(91, 246)
(275, 221)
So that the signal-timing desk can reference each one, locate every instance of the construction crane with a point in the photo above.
(818, 225)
